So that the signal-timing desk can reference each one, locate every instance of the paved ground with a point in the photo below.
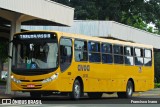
(153, 95)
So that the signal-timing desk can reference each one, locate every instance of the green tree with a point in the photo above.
(157, 66)
(152, 12)
(84, 9)
(136, 13)
(3, 52)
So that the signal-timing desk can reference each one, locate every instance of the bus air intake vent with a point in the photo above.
(24, 80)
(37, 80)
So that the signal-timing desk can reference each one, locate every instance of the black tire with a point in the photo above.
(95, 95)
(35, 95)
(76, 90)
(129, 91)
(110, 93)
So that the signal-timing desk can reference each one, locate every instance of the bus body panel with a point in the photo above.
(98, 77)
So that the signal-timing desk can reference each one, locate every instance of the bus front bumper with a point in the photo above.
(33, 86)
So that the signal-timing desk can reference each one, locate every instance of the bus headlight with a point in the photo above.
(15, 80)
(53, 77)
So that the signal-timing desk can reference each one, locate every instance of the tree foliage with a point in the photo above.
(157, 67)
(3, 52)
(153, 13)
(136, 13)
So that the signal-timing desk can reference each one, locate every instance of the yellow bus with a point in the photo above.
(47, 62)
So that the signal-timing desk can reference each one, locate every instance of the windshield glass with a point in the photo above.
(35, 55)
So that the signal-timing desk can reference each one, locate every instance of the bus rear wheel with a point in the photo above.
(129, 91)
(76, 91)
(95, 95)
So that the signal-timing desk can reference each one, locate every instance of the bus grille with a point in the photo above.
(32, 80)
(24, 80)
(37, 80)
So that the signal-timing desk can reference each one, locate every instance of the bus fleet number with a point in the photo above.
(83, 67)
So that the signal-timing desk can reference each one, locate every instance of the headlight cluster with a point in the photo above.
(53, 77)
(15, 80)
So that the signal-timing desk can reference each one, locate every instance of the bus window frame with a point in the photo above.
(107, 53)
(148, 57)
(132, 55)
(33, 72)
(118, 54)
(84, 51)
(64, 37)
(138, 56)
(150, 50)
(94, 52)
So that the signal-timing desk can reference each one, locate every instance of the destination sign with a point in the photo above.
(35, 36)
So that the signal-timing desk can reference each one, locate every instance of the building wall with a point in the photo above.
(42, 9)
(106, 29)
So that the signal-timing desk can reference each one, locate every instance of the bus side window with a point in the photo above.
(106, 50)
(80, 48)
(94, 51)
(128, 55)
(138, 52)
(147, 57)
(118, 54)
(65, 53)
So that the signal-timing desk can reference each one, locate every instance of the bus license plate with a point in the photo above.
(30, 86)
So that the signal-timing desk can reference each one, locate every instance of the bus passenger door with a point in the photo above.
(65, 62)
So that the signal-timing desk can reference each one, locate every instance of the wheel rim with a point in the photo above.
(129, 90)
(77, 90)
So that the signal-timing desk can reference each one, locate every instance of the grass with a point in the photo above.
(157, 85)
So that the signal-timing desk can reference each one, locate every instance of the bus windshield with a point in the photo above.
(35, 54)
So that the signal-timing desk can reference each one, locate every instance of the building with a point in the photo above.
(14, 13)
(105, 29)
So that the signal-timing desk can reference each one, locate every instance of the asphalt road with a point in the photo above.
(149, 97)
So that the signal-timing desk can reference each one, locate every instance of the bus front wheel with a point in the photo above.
(129, 91)
(76, 90)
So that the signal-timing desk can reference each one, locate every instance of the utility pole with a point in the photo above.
(15, 27)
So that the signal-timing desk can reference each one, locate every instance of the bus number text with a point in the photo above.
(83, 67)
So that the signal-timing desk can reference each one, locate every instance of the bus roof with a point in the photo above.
(112, 41)
(98, 39)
